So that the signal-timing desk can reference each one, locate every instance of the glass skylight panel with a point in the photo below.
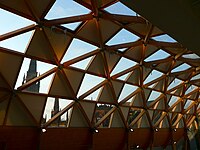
(72, 26)
(154, 95)
(182, 67)
(173, 100)
(123, 36)
(187, 104)
(127, 90)
(191, 56)
(164, 38)
(11, 22)
(122, 65)
(120, 9)
(124, 77)
(174, 83)
(76, 49)
(88, 83)
(40, 69)
(190, 89)
(66, 8)
(152, 76)
(196, 77)
(160, 54)
(94, 96)
(18, 43)
(83, 64)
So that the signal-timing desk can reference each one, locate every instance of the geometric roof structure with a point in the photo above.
(120, 80)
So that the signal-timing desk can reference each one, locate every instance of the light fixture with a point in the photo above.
(96, 131)
(131, 130)
(174, 130)
(44, 130)
(137, 146)
(156, 129)
(174, 142)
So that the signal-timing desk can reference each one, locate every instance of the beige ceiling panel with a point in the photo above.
(4, 99)
(58, 40)
(97, 61)
(164, 67)
(9, 67)
(40, 7)
(91, 28)
(138, 100)
(156, 31)
(160, 85)
(116, 120)
(125, 111)
(3, 82)
(34, 103)
(60, 87)
(140, 28)
(42, 50)
(18, 115)
(19, 6)
(150, 49)
(185, 76)
(112, 60)
(88, 108)
(77, 119)
(117, 86)
(134, 78)
(75, 78)
(108, 29)
(135, 53)
(106, 95)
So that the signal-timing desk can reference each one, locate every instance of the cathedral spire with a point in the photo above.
(31, 74)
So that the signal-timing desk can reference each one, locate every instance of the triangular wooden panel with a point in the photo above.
(90, 27)
(40, 7)
(178, 91)
(135, 53)
(97, 61)
(141, 28)
(18, 6)
(164, 123)
(160, 104)
(116, 120)
(44, 50)
(106, 94)
(4, 100)
(193, 95)
(58, 40)
(150, 49)
(156, 31)
(143, 122)
(75, 78)
(17, 115)
(111, 59)
(164, 67)
(125, 111)
(60, 87)
(3, 82)
(138, 100)
(88, 108)
(191, 110)
(185, 76)
(77, 119)
(107, 29)
(117, 87)
(160, 85)
(8, 72)
(146, 72)
(34, 103)
(147, 93)
(134, 78)
(177, 107)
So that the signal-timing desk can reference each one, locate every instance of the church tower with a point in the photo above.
(55, 111)
(32, 73)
